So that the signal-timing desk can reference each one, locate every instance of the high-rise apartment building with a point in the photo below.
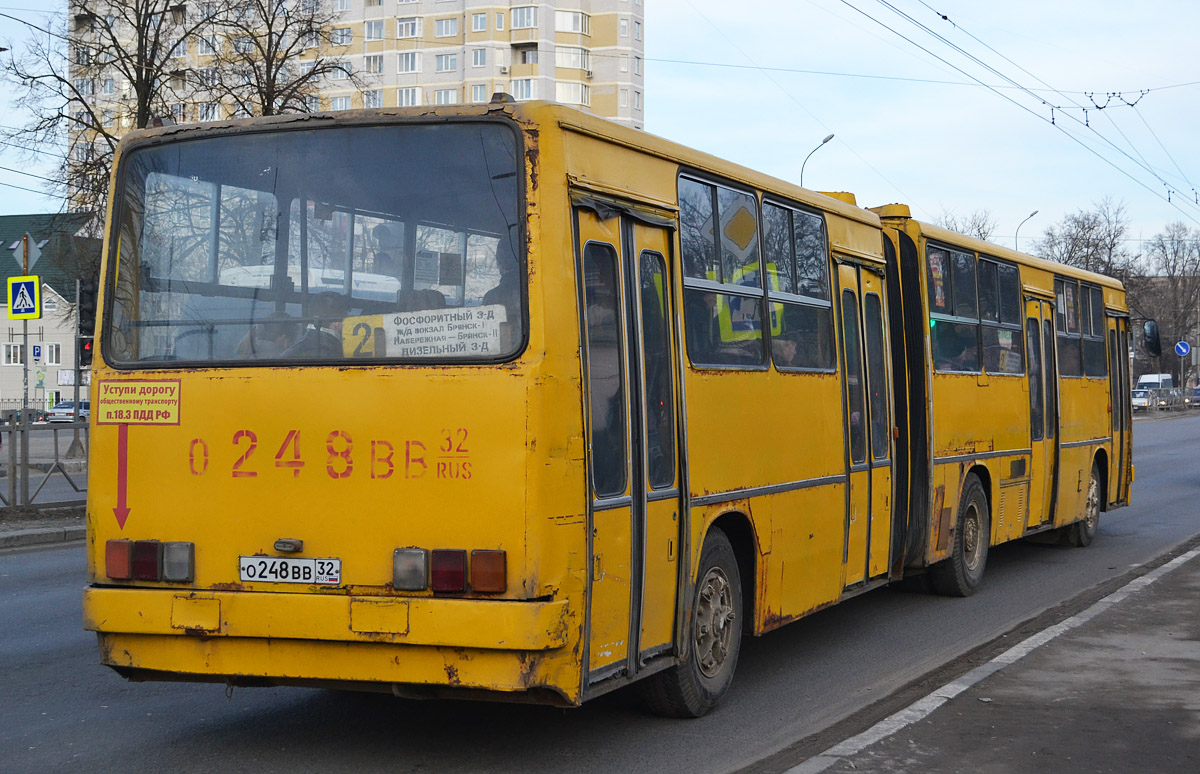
(584, 53)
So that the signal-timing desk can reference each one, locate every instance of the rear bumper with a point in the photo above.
(490, 645)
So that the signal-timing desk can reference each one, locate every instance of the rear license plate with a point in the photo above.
(284, 569)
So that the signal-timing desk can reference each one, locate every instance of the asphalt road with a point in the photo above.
(60, 710)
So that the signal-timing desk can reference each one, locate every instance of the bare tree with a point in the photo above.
(1170, 293)
(1093, 240)
(88, 79)
(257, 45)
(979, 224)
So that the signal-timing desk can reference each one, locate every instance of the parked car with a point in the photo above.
(64, 411)
(1141, 400)
(1191, 399)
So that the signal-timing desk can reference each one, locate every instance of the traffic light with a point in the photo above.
(85, 311)
(83, 353)
(87, 307)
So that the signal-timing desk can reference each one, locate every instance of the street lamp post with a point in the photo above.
(1017, 236)
(810, 153)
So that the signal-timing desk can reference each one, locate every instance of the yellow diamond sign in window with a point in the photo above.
(741, 228)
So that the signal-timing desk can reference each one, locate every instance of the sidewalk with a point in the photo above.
(36, 526)
(1115, 688)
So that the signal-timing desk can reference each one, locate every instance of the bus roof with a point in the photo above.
(901, 212)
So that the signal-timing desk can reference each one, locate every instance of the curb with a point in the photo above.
(35, 537)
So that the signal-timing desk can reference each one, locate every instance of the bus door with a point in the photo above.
(630, 341)
(867, 405)
(1118, 388)
(1043, 410)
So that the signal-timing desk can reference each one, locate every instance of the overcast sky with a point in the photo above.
(761, 82)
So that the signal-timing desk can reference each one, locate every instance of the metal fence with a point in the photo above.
(42, 463)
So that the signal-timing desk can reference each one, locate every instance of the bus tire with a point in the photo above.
(961, 574)
(692, 688)
(1083, 532)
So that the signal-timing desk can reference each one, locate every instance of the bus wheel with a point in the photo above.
(693, 687)
(961, 574)
(1083, 532)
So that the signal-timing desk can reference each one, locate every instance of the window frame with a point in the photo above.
(1000, 323)
(799, 299)
(721, 288)
(952, 317)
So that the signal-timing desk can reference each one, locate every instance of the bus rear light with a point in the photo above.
(488, 571)
(448, 569)
(410, 569)
(118, 559)
(147, 560)
(178, 562)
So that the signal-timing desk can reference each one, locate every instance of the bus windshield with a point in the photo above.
(394, 242)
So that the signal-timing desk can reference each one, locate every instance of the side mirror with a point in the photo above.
(1150, 338)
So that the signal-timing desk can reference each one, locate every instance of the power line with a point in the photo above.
(1000, 94)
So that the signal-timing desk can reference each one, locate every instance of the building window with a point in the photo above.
(339, 103)
(372, 3)
(524, 88)
(572, 94)
(340, 73)
(572, 57)
(446, 97)
(447, 63)
(572, 21)
(478, 57)
(373, 98)
(341, 36)
(637, 65)
(445, 28)
(206, 44)
(528, 55)
(408, 27)
(179, 48)
(106, 117)
(623, 28)
(479, 92)
(210, 111)
(53, 354)
(499, 21)
(623, 98)
(637, 100)
(84, 87)
(341, 5)
(624, 65)
(524, 17)
(408, 97)
(479, 22)
(410, 62)
(373, 63)
(637, 30)
(108, 86)
(374, 30)
(14, 354)
(312, 103)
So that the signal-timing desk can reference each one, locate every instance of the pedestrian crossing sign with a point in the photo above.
(24, 298)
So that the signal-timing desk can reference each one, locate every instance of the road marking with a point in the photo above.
(922, 708)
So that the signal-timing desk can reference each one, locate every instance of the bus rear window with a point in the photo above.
(394, 242)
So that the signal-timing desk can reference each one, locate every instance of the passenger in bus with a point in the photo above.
(323, 335)
(387, 252)
(507, 292)
(269, 338)
(956, 352)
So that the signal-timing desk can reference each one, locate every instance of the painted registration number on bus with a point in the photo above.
(274, 569)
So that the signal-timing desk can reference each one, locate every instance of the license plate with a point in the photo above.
(286, 569)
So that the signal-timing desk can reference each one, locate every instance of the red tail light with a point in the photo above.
(118, 559)
(147, 560)
(448, 570)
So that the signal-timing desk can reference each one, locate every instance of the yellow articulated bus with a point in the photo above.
(509, 401)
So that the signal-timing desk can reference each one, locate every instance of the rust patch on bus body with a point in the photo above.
(943, 517)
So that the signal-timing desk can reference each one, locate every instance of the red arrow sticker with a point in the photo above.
(122, 509)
